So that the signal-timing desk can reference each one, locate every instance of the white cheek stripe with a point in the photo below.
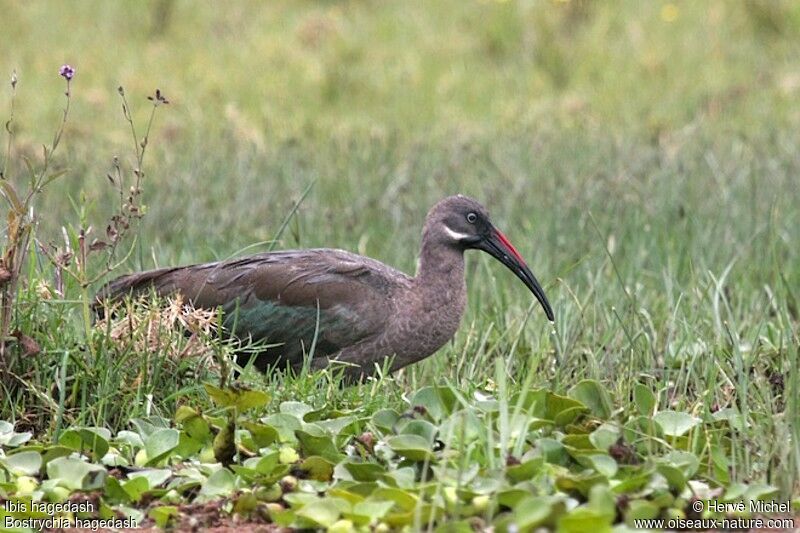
(456, 236)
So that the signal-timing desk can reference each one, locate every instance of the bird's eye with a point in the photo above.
(472, 218)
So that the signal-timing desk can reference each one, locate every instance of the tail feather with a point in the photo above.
(128, 285)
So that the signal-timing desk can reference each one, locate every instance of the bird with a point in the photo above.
(330, 305)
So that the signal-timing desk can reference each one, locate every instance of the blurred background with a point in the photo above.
(541, 107)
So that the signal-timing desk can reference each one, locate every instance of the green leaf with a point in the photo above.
(114, 491)
(184, 413)
(402, 498)
(385, 419)
(452, 526)
(411, 447)
(160, 443)
(351, 497)
(224, 443)
(154, 477)
(18, 439)
(246, 502)
(437, 401)
(553, 451)
(297, 409)
(512, 497)
(239, 398)
(318, 444)
(251, 399)
(368, 511)
(531, 512)
(404, 477)
(735, 491)
(582, 519)
(581, 483)
(687, 462)
(364, 471)
(187, 446)
(336, 425)
(673, 475)
(267, 463)
(94, 440)
(597, 515)
(761, 491)
(556, 404)
(76, 474)
(730, 415)
(568, 416)
(423, 428)
(603, 464)
(594, 396)
(674, 423)
(53, 452)
(645, 399)
(147, 425)
(25, 463)
(285, 425)
(632, 480)
(579, 441)
(163, 514)
(318, 468)
(603, 501)
(197, 428)
(299, 499)
(640, 510)
(263, 434)
(247, 474)
(220, 483)
(135, 488)
(605, 436)
(526, 470)
(221, 397)
(285, 518)
(130, 438)
(323, 512)
(466, 426)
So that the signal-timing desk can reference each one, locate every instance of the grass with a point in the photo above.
(642, 156)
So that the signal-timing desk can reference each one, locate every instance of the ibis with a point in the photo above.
(332, 305)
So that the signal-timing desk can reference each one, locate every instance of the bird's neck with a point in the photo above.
(441, 266)
(438, 295)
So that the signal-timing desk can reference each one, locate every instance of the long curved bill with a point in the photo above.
(498, 246)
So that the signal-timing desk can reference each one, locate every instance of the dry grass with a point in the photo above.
(173, 327)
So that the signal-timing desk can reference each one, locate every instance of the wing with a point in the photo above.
(284, 298)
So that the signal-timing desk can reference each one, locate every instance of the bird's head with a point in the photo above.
(464, 223)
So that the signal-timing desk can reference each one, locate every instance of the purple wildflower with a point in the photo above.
(67, 72)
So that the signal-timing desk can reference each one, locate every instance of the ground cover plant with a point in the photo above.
(643, 156)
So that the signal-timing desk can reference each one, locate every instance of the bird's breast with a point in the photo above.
(425, 324)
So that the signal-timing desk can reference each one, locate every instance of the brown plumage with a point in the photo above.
(360, 311)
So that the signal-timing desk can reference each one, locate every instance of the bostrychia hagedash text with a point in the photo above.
(361, 310)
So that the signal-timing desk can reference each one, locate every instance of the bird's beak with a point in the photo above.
(498, 246)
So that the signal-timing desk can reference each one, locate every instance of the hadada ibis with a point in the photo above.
(351, 308)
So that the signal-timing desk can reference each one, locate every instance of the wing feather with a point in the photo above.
(283, 298)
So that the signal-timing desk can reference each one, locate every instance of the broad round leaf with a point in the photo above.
(160, 443)
(674, 423)
(76, 474)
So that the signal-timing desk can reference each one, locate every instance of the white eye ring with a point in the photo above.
(472, 218)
